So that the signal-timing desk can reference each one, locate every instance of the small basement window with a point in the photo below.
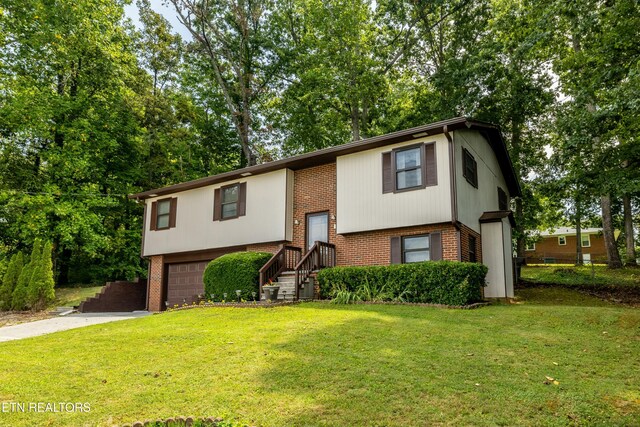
(230, 201)
(163, 214)
(562, 240)
(469, 168)
(416, 248)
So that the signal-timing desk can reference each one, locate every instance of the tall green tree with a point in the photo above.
(70, 146)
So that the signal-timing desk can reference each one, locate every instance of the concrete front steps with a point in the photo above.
(287, 283)
(117, 296)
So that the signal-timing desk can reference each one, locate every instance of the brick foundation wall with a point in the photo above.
(374, 247)
(156, 273)
(465, 232)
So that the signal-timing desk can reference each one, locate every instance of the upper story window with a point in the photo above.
(469, 168)
(164, 210)
(163, 214)
(503, 200)
(562, 240)
(230, 201)
(409, 168)
(586, 240)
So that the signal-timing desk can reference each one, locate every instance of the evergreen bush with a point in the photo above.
(436, 282)
(40, 292)
(235, 271)
(19, 295)
(10, 279)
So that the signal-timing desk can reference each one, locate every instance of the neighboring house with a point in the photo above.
(559, 246)
(434, 192)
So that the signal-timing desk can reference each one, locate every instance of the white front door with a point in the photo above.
(317, 228)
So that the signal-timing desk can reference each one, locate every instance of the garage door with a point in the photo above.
(184, 282)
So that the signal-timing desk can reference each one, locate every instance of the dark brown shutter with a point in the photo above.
(396, 250)
(242, 199)
(387, 173)
(217, 205)
(172, 212)
(436, 246)
(154, 216)
(431, 171)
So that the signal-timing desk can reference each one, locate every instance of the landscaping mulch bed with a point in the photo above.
(10, 318)
(263, 304)
(626, 295)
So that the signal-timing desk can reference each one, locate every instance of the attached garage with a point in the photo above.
(183, 275)
(184, 282)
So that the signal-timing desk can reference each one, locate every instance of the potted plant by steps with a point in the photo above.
(270, 290)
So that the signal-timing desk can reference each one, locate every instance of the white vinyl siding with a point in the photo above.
(473, 202)
(362, 205)
(267, 210)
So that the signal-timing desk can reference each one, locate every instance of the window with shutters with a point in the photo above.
(416, 248)
(229, 202)
(409, 168)
(503, 200)
(469, 168)
(163, 214)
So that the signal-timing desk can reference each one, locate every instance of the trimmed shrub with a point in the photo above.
(41, 285)
(230, 272)
(19, 296)
(10, 279)
(436, 282)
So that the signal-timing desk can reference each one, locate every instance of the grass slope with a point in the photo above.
(321, 364)
(585, 276)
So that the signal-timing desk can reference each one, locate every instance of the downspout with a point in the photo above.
(453, 189)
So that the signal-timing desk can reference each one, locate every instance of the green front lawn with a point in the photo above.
(322, 364)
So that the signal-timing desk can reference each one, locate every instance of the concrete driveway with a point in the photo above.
(62, 323)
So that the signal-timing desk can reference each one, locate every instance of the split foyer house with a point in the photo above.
(435, 192)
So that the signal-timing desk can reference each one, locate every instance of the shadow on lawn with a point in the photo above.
(429, 366)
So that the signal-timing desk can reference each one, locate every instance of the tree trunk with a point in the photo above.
(355, 123)
(628, 232)
(607, 229)
(520, 241)
(579, 258)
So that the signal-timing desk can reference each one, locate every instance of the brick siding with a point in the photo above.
(548, 247)
(465, 232)
(156, 273)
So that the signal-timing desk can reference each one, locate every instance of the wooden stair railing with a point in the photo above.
(285, 259)
(321, 255)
